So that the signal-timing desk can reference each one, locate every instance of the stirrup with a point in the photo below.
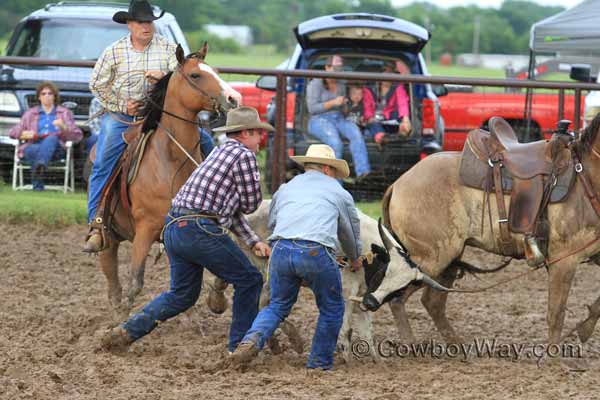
(535, 257)
(96, 240)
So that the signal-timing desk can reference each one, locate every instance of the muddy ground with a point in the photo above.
(53, 307)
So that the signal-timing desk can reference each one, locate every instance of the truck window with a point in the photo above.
(72, 39)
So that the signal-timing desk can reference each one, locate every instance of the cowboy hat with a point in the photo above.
(323, 154)
(139, 10)
(239, 119)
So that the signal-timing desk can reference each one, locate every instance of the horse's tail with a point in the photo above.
(385, 207)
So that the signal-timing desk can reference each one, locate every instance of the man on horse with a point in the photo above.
(214, 198)
(308, 215)
(119, 84)
(119, 81)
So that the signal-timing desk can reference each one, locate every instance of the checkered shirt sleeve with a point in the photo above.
(118, 75)
(228, 184)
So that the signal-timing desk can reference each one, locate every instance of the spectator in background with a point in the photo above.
(325, 100)
(45, 129)
(361, 110)
(392, 102)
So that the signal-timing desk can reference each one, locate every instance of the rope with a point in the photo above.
(483, 289)
(179, 145)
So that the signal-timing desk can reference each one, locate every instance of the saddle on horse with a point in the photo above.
(122, 176)
(534, 174)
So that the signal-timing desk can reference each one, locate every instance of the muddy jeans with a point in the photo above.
(291, 262)
(193, 244)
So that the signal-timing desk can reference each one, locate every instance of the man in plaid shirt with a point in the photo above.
(215, 197)
(119, 86)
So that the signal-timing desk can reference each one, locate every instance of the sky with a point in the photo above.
(488, 3)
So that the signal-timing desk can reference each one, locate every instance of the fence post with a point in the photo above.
(577, 111)
(280, 140)
(561, 104)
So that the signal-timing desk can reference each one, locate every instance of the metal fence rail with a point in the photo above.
(278, 166)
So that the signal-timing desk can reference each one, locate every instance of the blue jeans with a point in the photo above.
(207, 144)
(330, 127)
(371, 129)
(109, 148)
(193, 244)
(90, 142)
(40, 154)
(291, 262)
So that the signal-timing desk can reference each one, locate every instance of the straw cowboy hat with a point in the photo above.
(139, 10)
(323, 154)
(239, 119)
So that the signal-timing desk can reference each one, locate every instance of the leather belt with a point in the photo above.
(186, 211)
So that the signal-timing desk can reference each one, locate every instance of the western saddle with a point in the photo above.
(534, 174)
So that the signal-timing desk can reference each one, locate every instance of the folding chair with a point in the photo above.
(65, 164)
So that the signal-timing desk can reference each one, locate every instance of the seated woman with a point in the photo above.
(361, 110)
(45, 129)
(325, 100)
(392, 102)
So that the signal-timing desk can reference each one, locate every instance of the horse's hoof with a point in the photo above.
(217, 302)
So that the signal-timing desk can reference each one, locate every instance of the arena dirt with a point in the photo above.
(53, 307)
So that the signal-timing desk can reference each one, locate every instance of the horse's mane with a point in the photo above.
(154, 105)
(589, 134)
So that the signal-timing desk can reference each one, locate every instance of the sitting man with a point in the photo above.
(214, 198)
(307, 216)
(45, 130)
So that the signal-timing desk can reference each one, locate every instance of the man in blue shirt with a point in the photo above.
(308, 215)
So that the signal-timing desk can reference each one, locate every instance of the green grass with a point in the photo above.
(464, 72)
(46, 208)
(372, 209)
(55, 208)
(3, 44)
(259, 56)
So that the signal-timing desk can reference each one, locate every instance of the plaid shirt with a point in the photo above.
(119, 72)
(227, 183)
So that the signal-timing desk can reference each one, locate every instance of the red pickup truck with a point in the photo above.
(464, 111)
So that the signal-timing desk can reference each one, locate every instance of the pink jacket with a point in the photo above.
(396, 105)
(29, 122)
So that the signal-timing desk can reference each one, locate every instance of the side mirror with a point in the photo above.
(440, 90)
(267, 83)
(581, 73)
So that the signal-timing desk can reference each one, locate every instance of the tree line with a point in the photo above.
(504, 30)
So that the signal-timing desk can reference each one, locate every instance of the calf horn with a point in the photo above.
(429, 281)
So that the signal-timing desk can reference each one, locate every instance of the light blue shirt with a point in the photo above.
(315, 207)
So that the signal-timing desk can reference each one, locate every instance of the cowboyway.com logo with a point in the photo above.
(480, 348)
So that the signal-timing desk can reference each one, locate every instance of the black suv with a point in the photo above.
(74, 31)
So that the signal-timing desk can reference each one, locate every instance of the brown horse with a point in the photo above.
(173, 105)
(434, 216)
